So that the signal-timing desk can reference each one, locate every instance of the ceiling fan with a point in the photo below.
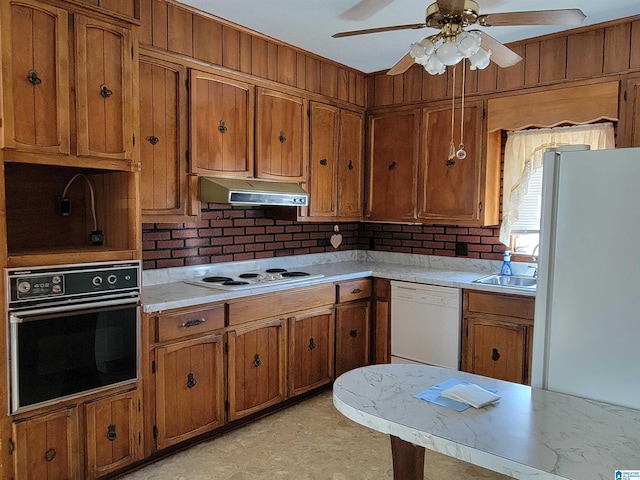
(452, 43)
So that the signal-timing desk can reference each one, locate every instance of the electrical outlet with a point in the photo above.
(96, 237)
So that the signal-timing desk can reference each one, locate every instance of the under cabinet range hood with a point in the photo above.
(248, 191)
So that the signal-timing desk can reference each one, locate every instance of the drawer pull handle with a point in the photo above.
(191, 381)
(50, 454)
(105, 92)
(356, 290)
(33, 78)
(281, 137)
(353, 333)
(111, 433)
(495, 355)
(193, 323)
(256, 360)
(312, 344)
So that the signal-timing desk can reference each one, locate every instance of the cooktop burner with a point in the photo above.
(270, 276)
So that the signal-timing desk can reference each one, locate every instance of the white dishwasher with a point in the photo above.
(425, 324)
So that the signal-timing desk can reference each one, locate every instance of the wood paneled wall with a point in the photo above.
(584, 53)
(184, 31)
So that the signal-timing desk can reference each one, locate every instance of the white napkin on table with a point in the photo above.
(471, 394)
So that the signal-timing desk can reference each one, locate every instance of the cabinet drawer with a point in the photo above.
(354, 290)
(497, 304)
(191, 322)
(280, 303)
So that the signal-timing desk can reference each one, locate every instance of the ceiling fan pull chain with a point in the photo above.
(461, 154)
(452, 148)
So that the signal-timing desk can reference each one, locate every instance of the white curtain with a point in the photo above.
(523, 156)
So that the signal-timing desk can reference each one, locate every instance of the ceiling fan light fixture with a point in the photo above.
(434, 66)
(468, 43)
(480, 60)
(448, 53)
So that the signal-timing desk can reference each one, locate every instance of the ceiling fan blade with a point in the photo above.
(451, 7)
(404, 64)
(411, 26)
(571, 16)
(364, 9)
(501, 55)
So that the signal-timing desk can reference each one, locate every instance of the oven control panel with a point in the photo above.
(71, 281)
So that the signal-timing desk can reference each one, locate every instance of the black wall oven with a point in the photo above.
(73, 330)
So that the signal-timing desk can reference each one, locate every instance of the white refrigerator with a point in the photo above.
(586, 339)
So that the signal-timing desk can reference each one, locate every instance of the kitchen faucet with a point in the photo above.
(534, 257)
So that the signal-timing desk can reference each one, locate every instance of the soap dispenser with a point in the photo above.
(506, 264)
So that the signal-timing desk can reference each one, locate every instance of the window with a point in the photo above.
(522, 179)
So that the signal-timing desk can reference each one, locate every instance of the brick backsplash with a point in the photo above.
(226, 233)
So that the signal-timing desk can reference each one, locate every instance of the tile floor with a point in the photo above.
(308, 441)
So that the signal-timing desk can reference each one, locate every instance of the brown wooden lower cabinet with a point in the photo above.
(352, 335)
(113, 438)
(497, 335)
(47, 446)
(311, 347)
(256, 373)
(382, 321)
(189, 389)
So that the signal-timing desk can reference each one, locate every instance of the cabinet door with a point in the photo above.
(631, 132)
(281, 136)
(104, 55)
(352, 336)
(382, 321)
(450, 188)
(113, 433)
(47, 446)
(189, 389)
(221, 125)
(256, 367)
(496, 349)
(164, 180)
(393, 156)
(324, 160)
(35, 78)
(311, 347)
(350, 168)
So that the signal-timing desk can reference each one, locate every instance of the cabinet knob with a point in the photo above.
(191, 381)
(50, 454)
(105, 92)
(153, 140)
(392, 165)
(222, 128)
(350, 167)
(281, 137)
(312, 344)
(111, 433)
(495, 355)
(33, 78)
(256, 360)
(353, 333)
(323, 161)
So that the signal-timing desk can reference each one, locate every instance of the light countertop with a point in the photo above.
(168, 288)
(529, 434)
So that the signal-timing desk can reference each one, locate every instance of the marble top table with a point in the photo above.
(529, 434)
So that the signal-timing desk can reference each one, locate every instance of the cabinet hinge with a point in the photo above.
(155, 432)
(484, 113)
(139, 405)
(187, 156)
(11, 446)
(186, 83)
(480, 206)
(226, 406)
(139, 438)
(153, 367)
(131, 52)
(625, 95)
(134, 139)
(226, 347)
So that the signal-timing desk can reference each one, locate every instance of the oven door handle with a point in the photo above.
(19, 316)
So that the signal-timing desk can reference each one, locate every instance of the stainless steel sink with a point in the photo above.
(509, 281)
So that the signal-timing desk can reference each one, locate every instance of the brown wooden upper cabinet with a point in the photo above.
(450, 188)
(222, 119)
(164, 180)
(394, 140)
(281, 136)
(104, 89)
(35, 74)
(336, 170)
(37, 83)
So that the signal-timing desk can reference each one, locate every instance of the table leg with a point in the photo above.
(408, 460)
